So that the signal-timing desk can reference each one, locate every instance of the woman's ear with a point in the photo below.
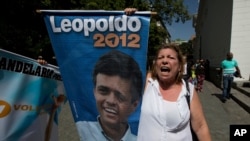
(179, 69)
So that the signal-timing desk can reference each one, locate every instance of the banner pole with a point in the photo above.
(50, 124)
(40, 11)
(57, 102)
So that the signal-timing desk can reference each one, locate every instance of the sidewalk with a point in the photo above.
(242, 94)
(67, 128)
(219, 115)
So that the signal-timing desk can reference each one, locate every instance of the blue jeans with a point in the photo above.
(227, 83)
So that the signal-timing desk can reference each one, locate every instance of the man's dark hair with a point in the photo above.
(229, 56)
(117, 63)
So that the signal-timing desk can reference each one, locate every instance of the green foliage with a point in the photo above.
(22, 29)
(169, 10)
(187, 48)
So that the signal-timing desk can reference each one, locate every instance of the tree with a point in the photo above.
(22, 29)
(169, 10)
(187, 48)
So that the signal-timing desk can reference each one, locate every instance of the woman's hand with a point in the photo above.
(130, 11)
(41, 61)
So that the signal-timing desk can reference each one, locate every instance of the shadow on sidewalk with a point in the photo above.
(219, 96)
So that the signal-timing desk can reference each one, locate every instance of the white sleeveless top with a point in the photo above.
(163, 120)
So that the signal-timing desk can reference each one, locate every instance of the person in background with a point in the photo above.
(193, 78)
(165, 114)
(200, 74)
(228, 67)
(118, 87)
(185, 72)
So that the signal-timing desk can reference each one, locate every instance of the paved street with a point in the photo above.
(219, 115)
(67, 128)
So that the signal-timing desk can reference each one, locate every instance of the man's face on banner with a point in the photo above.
(113, 98)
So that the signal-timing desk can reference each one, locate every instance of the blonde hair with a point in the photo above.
(180, 58)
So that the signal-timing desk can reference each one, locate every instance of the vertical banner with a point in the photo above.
(102, 58)
(29, 94)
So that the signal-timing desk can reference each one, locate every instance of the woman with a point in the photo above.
(165, 113)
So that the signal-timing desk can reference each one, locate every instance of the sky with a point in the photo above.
(186, 30)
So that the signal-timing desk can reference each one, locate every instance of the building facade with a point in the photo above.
(223, 26)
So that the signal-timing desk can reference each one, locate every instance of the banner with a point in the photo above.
(92, 48)
(30, 95)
